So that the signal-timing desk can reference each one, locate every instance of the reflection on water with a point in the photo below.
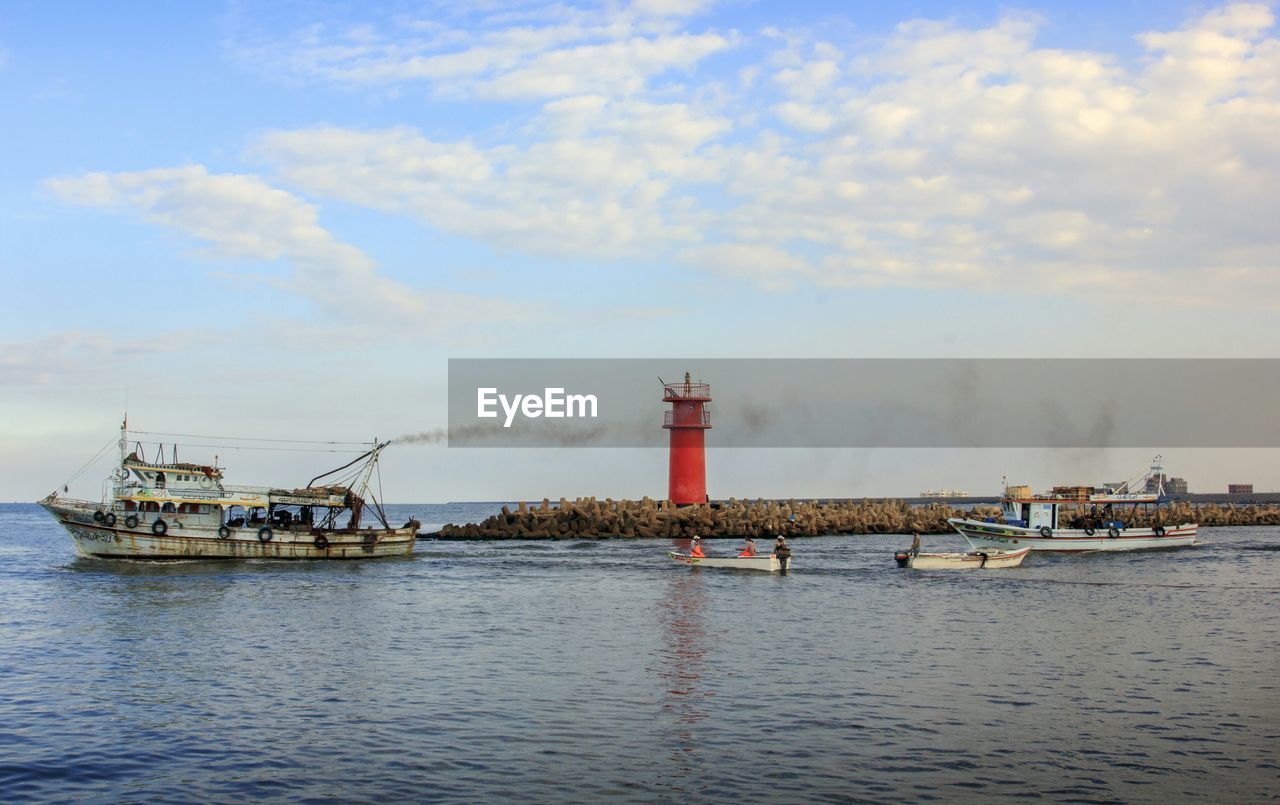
(680, 664)
(602, 670)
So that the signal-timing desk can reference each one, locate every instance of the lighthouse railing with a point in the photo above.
(679, 390)
(668, 419)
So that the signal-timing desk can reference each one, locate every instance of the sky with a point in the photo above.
(283, 219)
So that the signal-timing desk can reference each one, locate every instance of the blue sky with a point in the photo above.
(282, 219)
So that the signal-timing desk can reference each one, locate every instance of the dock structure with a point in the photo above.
(589, 518)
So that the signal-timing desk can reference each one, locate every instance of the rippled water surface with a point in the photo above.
(585, 670)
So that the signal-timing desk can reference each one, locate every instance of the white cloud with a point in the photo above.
(975, 159)
(242, 217)
(599, 187)
(670, 8)
(86, 356)
(544, 52)
(940, 156)
(803, 117)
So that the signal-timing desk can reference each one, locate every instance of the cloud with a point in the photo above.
(241, 217)
(972, 158)
(939, 156)
(539, 52)
(598, 188)
(87, 357)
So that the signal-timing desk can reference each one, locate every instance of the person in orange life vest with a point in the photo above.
(696, 548)
(749, 549)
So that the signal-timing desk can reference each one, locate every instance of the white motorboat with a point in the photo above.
(973, 560)
(766, 562)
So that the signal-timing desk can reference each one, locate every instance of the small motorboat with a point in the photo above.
(766, 562)
(973, 560)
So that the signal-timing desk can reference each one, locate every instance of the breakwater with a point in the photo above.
(1206, 514)
(589, 518)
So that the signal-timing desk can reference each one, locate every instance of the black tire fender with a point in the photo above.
(224, 532)
(98, 517)
(264, 534)
(131, 521)
(1089, 532)
(109, 519)
(1113, 532)
(159, 528)
(321, 542)
(1046, 531)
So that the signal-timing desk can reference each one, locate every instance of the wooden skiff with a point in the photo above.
(973, 560)
(765, 562)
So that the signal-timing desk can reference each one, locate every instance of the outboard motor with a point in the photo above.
(903, 558)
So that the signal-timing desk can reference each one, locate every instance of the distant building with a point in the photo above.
(1172, 486)
(1239, 489)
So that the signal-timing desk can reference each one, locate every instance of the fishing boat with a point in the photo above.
(766, 562)
(973, 560)
(1081, 518)
(162, 509)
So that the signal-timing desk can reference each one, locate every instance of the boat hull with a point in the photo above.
(187, 542)
(974, 560)
(983, 535)
(767, 563)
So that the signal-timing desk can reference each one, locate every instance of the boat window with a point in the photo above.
(160, 480)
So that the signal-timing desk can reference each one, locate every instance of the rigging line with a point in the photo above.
(242, 438)
(355, 460)
(89, 463)
(276, 449)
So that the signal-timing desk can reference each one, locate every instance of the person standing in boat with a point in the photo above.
(782, 551)
(748, 549)
(695, 548)
(915, 543)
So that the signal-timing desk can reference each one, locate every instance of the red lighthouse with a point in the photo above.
(688, 421)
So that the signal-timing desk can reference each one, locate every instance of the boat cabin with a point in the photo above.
(173, 476)
(1029, 514)
(1098, 508)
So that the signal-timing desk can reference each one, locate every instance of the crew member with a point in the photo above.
(749, 549)
(782, 551)
(696, 548)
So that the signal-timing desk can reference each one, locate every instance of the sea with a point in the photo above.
(585, 670)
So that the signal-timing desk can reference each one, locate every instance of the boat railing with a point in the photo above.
(131, 486)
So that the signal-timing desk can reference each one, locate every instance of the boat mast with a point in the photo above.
(121, 474)
(362, 488)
